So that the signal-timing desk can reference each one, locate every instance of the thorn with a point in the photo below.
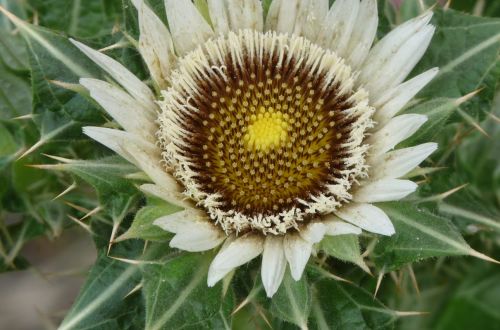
(364, 267)
(245, 302)
(332, 276)
(28, 116)
(91, 213)
(495, 118)
(66, 191)
(403, 314)
(116, 225)
(479, 255)
(423, 171)
(447, 5)
(77, 207)
(52, 167)
(31, 149)
(77, 88)
(121, 238)
(130, 261)
(467, 97)
(119, 44)
(442, 196)
(248, 299)
(394, 278)
(379, 281)
(60, 159)
(264, 317)
(471, 121)
(83, 225)
(369, 248)
(134, 290)
(414, 280)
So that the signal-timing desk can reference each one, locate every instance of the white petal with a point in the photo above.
(245, 14)
(297, 252)
(367, 217)
(384, 190)
(384, 52)
(189, 29)
(310, 17)
(194, 232)
(336, 227)
(171, 197)
(236, 253)
(155, 44)
(122, 107)
(282, 15)
(198, 237)
(313, 232)
(392, 101)
(124, 77)
(150, 163)
(398, 163)
(363, 34)
(180, 221)
(273, 264)
(400, 64)
(389, 45)
(338, 26)
(397, 129)
(218, 16)
(114, 139)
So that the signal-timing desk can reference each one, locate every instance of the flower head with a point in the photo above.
(269, 133)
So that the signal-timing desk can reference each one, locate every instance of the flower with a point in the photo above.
(269, 133)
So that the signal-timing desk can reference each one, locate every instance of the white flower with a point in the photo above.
(269, 133)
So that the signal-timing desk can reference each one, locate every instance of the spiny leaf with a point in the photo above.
(292, 302)
(341, 306)
(177, 296)
(142, 227)
(419, 235)
(344, 247)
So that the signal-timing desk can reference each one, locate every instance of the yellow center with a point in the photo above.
(268, 130)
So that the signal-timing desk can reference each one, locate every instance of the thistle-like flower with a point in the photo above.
(270, 133)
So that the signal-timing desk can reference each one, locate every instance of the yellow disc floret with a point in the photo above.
(268, 130)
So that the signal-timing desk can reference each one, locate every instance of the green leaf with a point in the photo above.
(13, 51)
(340, 306)
(438, 111)
(419, 235)
(344, 247)
(142, 226)
(292, 302)
(177, 296)
(83, 18)
(465, 48)
(7, 144)
(106, 175)
(15, 94)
